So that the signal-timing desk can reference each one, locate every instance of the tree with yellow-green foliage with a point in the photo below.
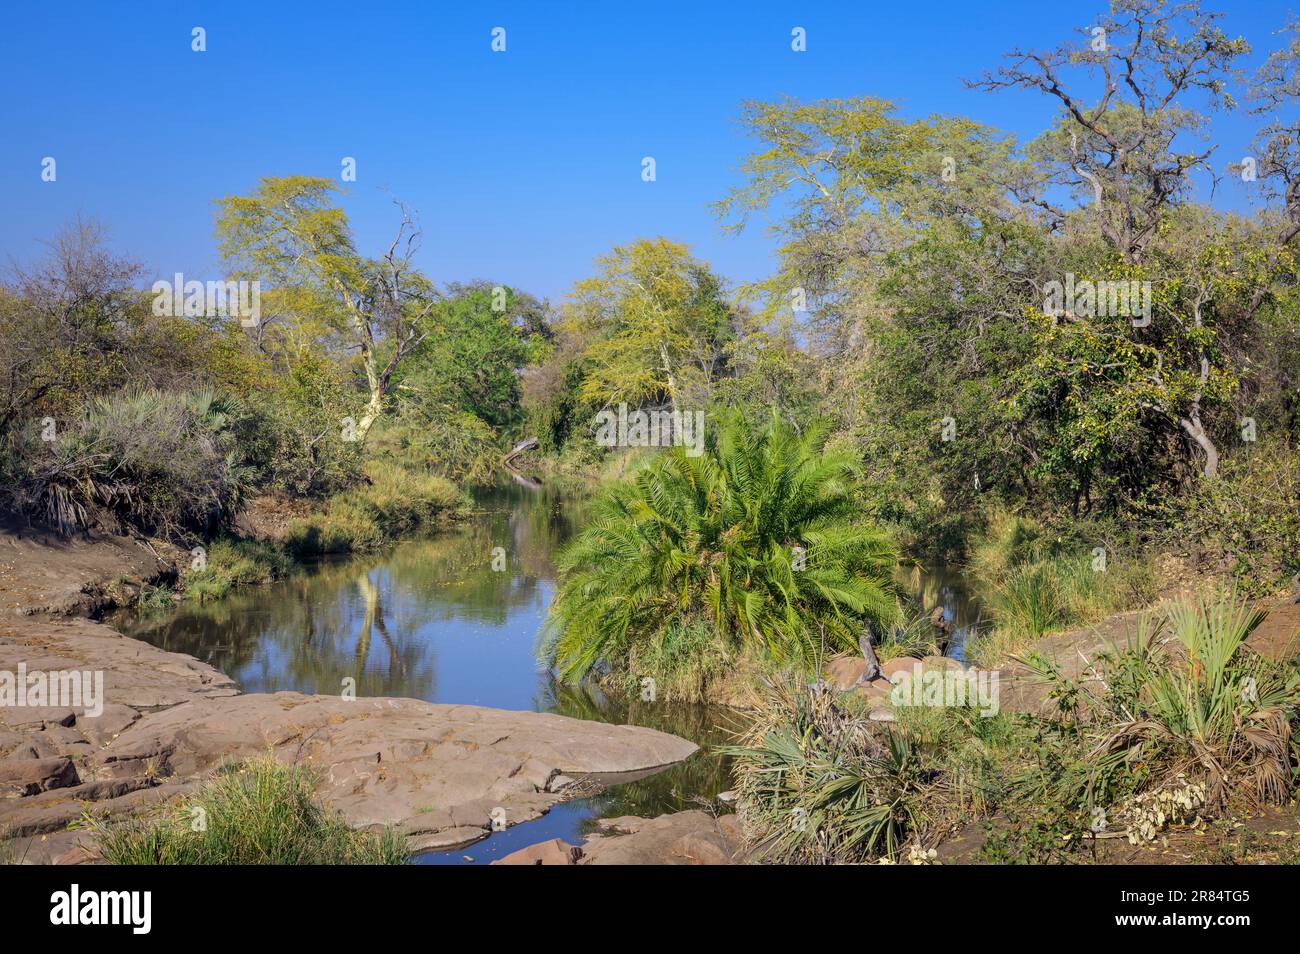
(290, 235)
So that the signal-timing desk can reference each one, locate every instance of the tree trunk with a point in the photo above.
(672, 379)
(1196, 431)
(869, 653)
(373, 409)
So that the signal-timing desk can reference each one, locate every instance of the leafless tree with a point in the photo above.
(1116, 143)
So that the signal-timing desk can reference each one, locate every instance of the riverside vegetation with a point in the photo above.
(901, 389)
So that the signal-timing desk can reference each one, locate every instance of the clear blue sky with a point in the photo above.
(524, 165)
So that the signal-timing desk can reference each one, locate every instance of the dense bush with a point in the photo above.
(756, 544)
(162, 462)
(443, 441)
(819, 784)
(1175, 727)
(1249, 519)
(292, 429)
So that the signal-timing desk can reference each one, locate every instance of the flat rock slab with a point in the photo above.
(137, 676)
(421, 765)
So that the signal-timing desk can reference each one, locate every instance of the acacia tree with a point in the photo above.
(1117, 143)
(860, 183)
(290, 233)
(653, 323)
(1277, 144)
(904, 263)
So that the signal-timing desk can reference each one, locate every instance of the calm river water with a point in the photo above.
(431, 619)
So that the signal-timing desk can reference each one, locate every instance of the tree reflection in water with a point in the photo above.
(432, 620)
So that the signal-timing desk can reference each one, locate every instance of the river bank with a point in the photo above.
(439, 646)
(442, 774)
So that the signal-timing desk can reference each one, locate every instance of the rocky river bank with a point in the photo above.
(442, 774)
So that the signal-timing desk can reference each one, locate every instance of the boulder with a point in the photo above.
(680, 838)
(553, 852)
(843, 672)
(876, 692)
(560, 782)
(929, 662)
(445, 839)
(894, 667)
(23, 777)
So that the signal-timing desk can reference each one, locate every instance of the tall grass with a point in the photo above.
(1031, 582)
(258, 812)
(231, 563)
(393, 502)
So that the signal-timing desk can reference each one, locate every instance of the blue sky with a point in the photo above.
(523, 165)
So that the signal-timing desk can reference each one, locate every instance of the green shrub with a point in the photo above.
(444, 441)
(291, 434)
(1249, 518)
(684, 659)
(258, 812)
(706, 546)
(230, 563)
(161, 462)
(393, 502)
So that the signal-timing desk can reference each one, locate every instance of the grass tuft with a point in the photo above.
(257, 812)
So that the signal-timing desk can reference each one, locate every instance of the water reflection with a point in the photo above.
(937, 585)
(432, 619)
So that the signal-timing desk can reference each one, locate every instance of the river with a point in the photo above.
(432, 619)
(454, 619)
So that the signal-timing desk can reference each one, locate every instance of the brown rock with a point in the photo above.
(877, 691)
(843, 672)
(445, 839)
(108, 724)
(933, 662)
(891, 669)
(23, 777)
(462, 760)
(679, 838)
(39, 716)
(553, 852)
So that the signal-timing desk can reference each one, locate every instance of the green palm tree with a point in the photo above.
(757, 539)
